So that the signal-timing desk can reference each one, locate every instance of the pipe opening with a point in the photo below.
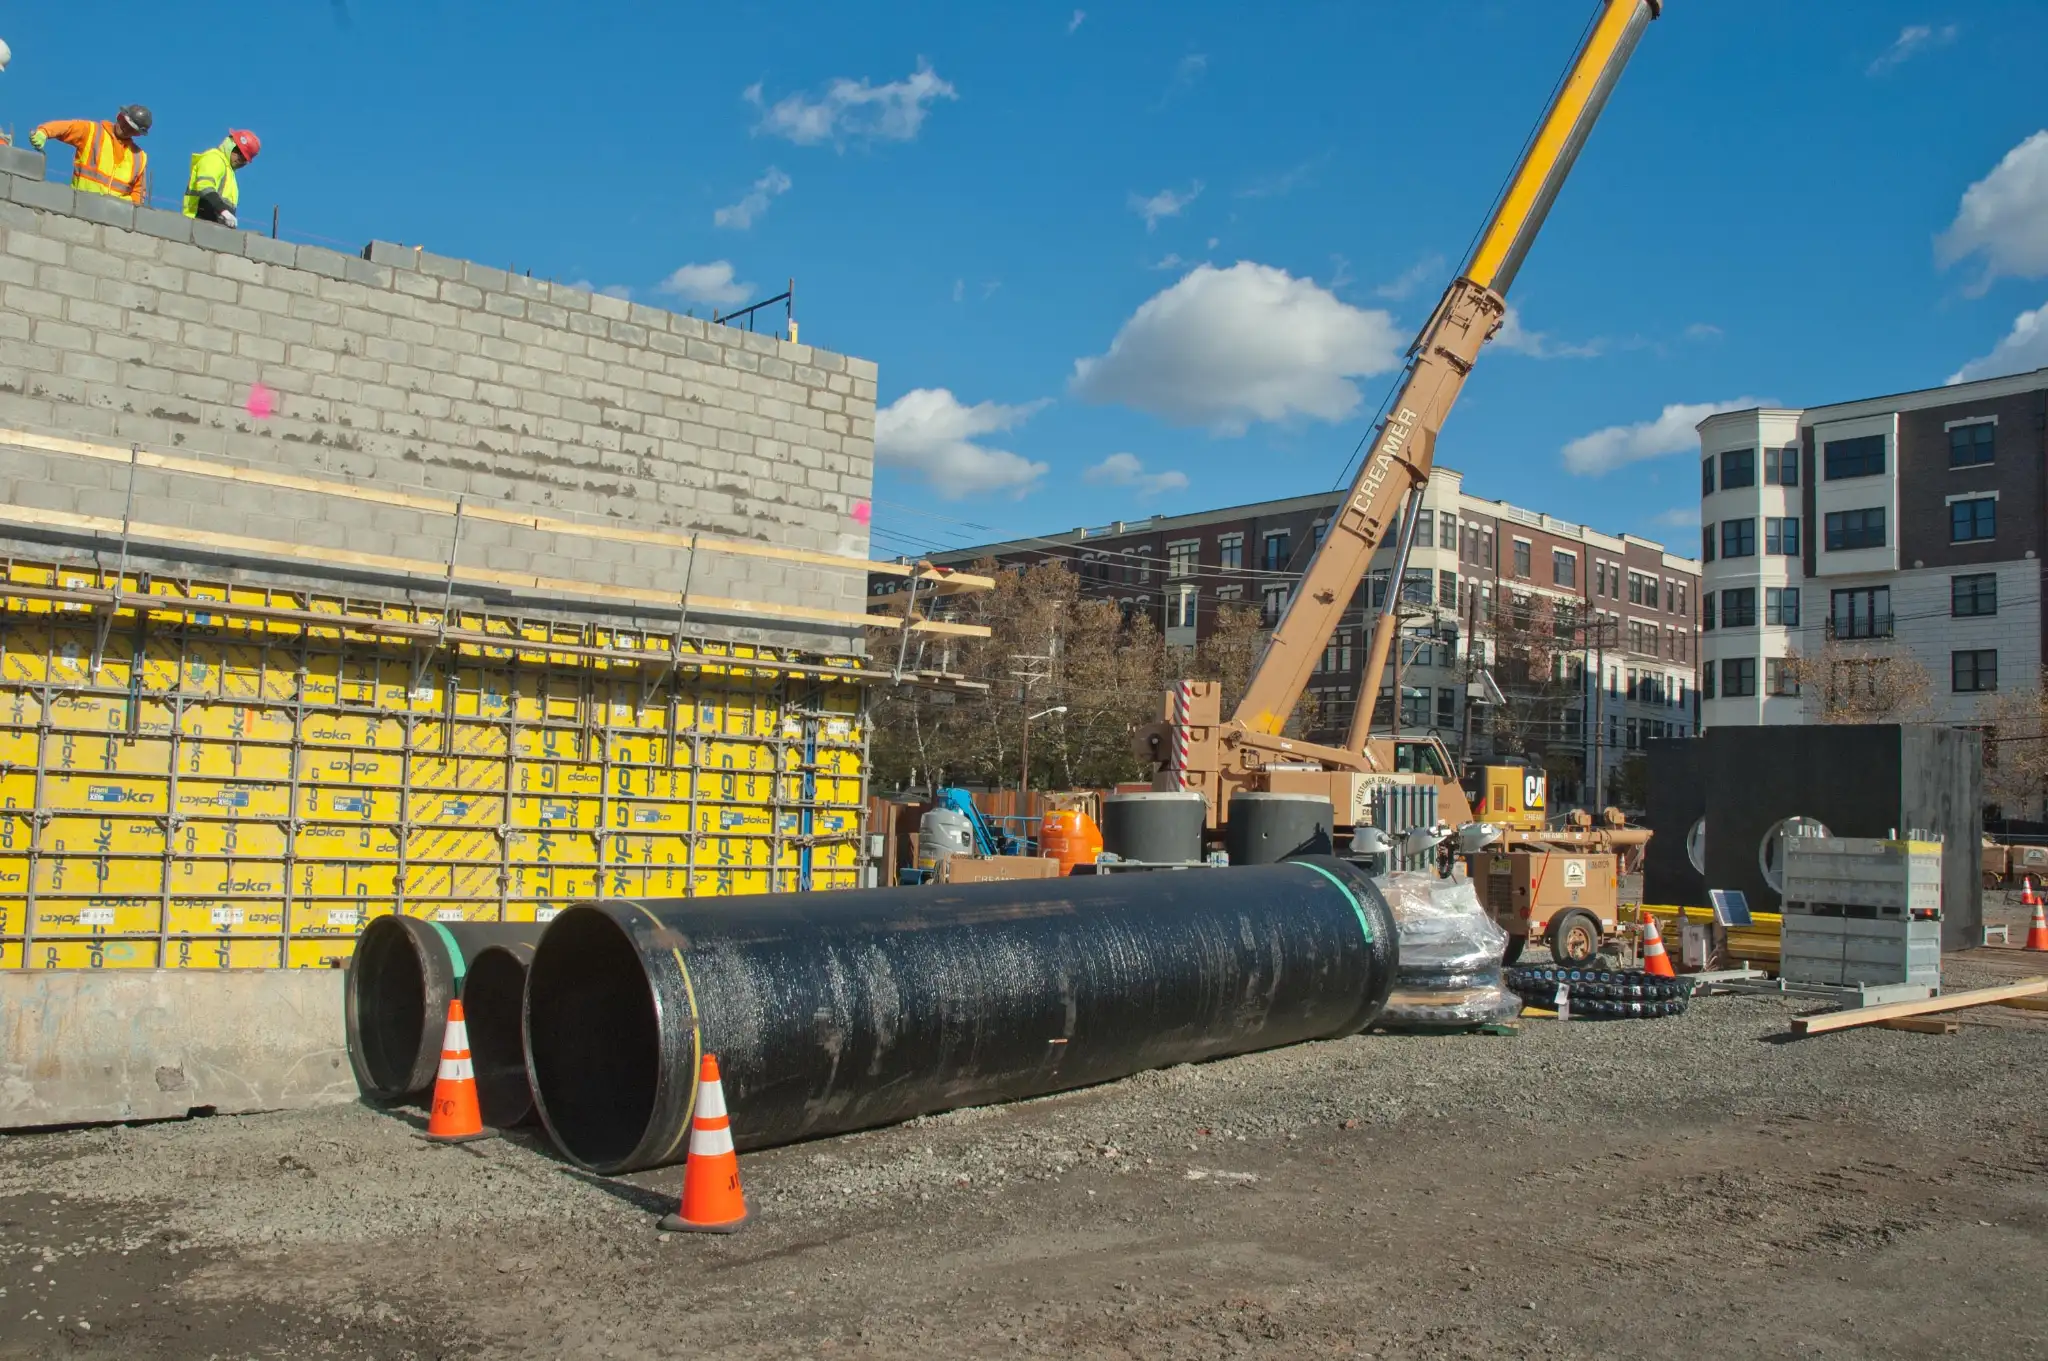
(390, 984)
(492, 995)
(593, 1038)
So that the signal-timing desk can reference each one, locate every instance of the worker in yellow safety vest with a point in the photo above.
(106, 159)
(211, 194)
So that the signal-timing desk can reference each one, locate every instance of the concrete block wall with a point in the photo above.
(416, 372)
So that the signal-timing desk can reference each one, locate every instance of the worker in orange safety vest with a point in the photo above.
(106, 158)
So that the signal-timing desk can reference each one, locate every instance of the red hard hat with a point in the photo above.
(245, 142)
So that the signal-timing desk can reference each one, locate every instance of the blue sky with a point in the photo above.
(1124, 258)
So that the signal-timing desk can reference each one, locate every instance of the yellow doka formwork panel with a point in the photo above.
(203, 775)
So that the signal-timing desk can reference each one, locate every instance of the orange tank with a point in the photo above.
(1069, 836)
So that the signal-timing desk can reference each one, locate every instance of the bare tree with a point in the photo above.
(1865, 682)
(2016, 747)
(1538, 663)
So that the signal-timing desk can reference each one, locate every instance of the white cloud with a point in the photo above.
(1538, 344)
(1410, 279)
(1703, 330)
(1166, 203)
(740, 216)
(1913, 39)
(853, 110)
(1671, 432)
(1282, 184)
(1126, 470)
(2022, 350)
(959, 290)
(2004, 218)
(1225, 347)
(1678, 517)
(929, 433)
(620, 291)
(1075, 22)
(1170, 260)
(712, 283)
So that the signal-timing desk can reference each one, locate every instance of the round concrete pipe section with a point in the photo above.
(1265, 828)
(401, 978)
(832, 1012)
(1159, 828)
(494, 1002)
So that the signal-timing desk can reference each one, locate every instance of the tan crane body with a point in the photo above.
(1194, 746)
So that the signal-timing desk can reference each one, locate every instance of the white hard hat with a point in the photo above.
(6, 54)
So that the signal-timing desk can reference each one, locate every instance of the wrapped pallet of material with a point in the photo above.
(1450, 966)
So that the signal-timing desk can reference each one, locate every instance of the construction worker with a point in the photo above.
(211, 195)
(106, 159)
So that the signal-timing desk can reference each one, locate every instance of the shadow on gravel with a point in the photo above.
(639, 1197)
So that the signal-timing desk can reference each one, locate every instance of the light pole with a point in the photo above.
(1024, 771)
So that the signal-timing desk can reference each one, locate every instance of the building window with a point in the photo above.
(1376, 588)
(1738, 469)
(1738, 677)
(1680, 607)
(1781, 466)
(1860, 457)
(1276, 604)
(1564, 568)
(1446, 707)
(1180, 608)
(1415, 585)
(1632, 730)
(1975, 671)
(1447, 531)
(1848, 529)
(1707, 612)
(1230, 551)
(1521, 557)
(1738, 608)
(1180, 558)
(1229, 593)
(1865, 613)
(1337, 653)
(1317, 530)
(1738, 538)
(1708, 674)
(1425, 528)
(1781, 607)
(1447, 590)
(1781, 677)
(1707, 543)
(1781, 537)
(1277, 545)
(1707, 476)
(1973, 520)
(1973, 595)
(1971, 446)
(1642, 590)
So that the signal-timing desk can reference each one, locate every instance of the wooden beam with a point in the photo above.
(1922, 1025)
(1954, 1001)
(944, 583)
(246, 547)
(2026, 1003)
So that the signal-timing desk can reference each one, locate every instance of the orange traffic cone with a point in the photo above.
(454, 1116)
(2027, 896)
(1655, 961)
(712, 1202)
(2037, 934)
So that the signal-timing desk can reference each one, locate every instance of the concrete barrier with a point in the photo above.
(85, 1046)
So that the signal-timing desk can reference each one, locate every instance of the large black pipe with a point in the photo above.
(401, 978)
(832, 1012)
(493, 1002)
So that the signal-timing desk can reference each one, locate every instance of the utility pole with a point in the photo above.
(1471, 672)
(1599, 713)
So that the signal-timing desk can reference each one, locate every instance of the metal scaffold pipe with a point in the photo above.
(840, 1011)
(402, 977)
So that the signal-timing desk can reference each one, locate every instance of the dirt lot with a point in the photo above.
(1690, 1186)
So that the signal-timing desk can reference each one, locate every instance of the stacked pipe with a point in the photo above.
(832, 1012)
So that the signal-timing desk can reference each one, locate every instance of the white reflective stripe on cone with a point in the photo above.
(709, 1143)
(458, 1070)
(710, 1101)
(455, 1037)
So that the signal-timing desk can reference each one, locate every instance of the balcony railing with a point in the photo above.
(1860, 626)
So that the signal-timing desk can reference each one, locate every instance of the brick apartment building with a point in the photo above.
(1910, 524)
(1629, 602)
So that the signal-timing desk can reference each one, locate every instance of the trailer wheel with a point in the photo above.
(1575, 937)
(1515, 946)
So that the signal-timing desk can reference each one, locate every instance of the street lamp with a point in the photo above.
(1024, 783)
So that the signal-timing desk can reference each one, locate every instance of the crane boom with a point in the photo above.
(1404, 446)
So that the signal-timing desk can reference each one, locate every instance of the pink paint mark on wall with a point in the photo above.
(862, 513)
(262, 401)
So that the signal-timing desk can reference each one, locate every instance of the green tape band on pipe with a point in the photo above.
(454, 954)
(1349, 897)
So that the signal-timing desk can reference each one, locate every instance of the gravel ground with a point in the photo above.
(1696, 1184)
